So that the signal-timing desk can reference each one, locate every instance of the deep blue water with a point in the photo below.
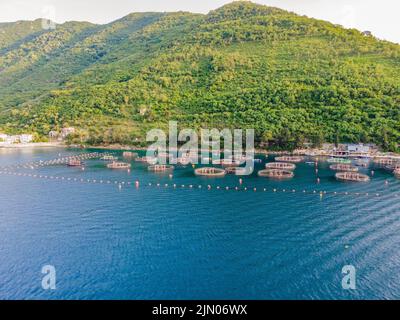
(166, 243)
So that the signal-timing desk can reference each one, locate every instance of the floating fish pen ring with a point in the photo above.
(236, 170)
(280, 165)
(119, 165)
(339, 160)
(352, 177)
(276, 174)
(397, 173)
(75, 163)
(148, 160)
(128, 154)
(227, 162)
(383, 161)
(343, 167)
(160, 168)
(289, 159)
(210, 172)
(109, 157)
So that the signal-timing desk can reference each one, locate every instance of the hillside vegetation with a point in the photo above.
(244, 65)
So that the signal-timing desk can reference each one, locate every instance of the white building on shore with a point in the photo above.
(14, 139)
(25, 138)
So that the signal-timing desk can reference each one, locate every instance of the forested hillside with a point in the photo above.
(244, 65)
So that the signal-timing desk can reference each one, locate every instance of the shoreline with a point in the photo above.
(118, 147)
(33, 145)
(297, 152)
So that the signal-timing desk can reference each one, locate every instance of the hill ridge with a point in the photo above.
(291, 77)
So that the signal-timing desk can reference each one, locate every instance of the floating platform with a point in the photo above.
(384, 161)
(210, 172)
(343, 167)
(161, 168)
(281, 165)
(293, 159)
(276, 174)
(227, 163)
(75, 163)
(108, 158)
(149, 160)
(339, 160)
(352, 177)
(130, 155)
(119, 165)
(236, 170)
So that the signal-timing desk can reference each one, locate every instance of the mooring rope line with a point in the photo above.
(158, 185)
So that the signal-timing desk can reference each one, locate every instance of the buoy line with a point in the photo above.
(159, 185)
(57, 161)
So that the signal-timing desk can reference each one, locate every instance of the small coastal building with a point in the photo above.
(359, 148)
(11, 140)
(352, 150)
(367, 33)
(22, 138)
(65, 132)
(25, 138)
(53, 135)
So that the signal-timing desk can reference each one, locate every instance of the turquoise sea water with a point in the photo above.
(155, 242)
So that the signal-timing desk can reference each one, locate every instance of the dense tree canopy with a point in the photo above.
(289, 77)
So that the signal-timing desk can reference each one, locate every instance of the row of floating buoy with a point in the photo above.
(57, 161)
(209, 187)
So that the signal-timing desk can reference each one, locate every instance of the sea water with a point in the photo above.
(117, 241)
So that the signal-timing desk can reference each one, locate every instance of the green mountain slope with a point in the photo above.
(12, 33)
(244, 65)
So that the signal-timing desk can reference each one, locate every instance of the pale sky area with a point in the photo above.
(380, 17)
